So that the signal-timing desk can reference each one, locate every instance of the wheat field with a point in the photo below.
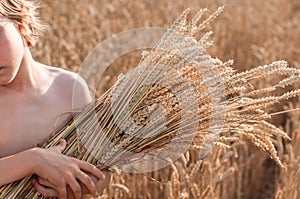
(250, 32)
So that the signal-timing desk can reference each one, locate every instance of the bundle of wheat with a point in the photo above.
(177, 96)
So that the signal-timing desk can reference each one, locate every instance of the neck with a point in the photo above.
(27, 76)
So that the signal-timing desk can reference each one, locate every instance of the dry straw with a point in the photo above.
(180, 94)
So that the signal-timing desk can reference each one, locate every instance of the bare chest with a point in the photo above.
(22, 126)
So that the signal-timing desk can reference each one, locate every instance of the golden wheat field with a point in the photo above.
(250, 32)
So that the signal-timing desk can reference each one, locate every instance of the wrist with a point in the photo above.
(33, 159)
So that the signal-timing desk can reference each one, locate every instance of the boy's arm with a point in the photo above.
(58, 170)
(17, 166)
(81, 95)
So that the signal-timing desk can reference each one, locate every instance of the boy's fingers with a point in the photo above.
(89, 168)
(62, 192)
(88, 182)
(76, 189)
(46, 192)
(102, 184)
(61, 146)
(45, 182)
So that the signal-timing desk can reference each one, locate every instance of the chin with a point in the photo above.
(5, 82)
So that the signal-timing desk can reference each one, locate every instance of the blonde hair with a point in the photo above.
(24, 14)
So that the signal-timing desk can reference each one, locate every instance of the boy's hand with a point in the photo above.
(45, 187)
(57, 172)
(100, 185)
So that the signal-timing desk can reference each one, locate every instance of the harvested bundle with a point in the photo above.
(178, 96)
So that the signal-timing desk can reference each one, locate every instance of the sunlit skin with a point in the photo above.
(34, 99)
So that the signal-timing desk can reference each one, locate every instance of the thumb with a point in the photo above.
(61, 146)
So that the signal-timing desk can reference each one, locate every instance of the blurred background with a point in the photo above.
(250, 32)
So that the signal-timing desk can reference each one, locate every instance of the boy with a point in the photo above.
(32, 97)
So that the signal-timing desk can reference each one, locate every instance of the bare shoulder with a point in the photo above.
(71, 85)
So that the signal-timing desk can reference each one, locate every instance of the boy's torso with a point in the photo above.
(29, 119)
